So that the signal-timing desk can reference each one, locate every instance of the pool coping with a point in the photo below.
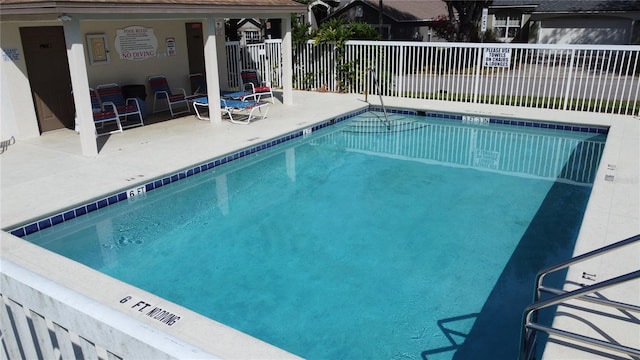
(595, 232)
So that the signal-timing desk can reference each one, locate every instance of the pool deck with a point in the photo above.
(42, 175)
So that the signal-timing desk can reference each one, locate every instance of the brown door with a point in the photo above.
(195, 48)
(45, 54)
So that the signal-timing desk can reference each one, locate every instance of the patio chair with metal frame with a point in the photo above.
(128, 110)
(104, 114)
(174, 97)
(251, 83)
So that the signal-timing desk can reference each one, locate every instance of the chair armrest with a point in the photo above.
(179, 90)
(256, 97)
(251, 88)
(165, 94)
(135, 100)
(109, 106)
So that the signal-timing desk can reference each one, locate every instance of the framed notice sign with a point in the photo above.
(136, 43)
(98, 51)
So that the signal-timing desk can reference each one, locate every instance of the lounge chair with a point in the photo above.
(104, 114)
(128, 109)
(240, 95)
(251, 83)
(174, 97)
(234, 108)
(198, 84)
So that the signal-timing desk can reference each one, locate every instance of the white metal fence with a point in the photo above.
(265, 57)
(597, 78)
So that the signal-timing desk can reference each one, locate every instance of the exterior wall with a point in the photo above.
(635, 33)
(127, 72)
(18, 111)
(429, 35)
(585, 30)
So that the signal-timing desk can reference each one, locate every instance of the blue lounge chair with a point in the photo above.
(234, 108)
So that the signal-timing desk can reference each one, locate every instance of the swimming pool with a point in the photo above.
(400, 282)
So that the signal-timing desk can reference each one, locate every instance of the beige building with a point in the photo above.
(53, 52)
(566, 22)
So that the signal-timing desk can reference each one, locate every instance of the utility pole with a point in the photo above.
(380, 20)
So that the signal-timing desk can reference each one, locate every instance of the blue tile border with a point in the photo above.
(111, 199)
(521, 123)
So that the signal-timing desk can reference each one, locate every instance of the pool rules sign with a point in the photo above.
(136, 43)
(497, 57)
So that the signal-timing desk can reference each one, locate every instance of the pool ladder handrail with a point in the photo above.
(384, 109)
(529, 320)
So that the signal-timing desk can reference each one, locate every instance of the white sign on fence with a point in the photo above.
(497, 57)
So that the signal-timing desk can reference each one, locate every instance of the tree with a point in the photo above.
(231, 29)
(464, 18)
(338, 31)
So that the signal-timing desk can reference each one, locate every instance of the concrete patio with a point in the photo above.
(42, 175)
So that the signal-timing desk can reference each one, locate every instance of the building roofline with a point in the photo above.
(30, 9)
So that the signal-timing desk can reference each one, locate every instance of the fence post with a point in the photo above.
(400, 77)
(476, 86)
(569, 77)
(336, 75)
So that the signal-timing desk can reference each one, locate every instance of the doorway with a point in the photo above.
(45, 54)
(195, 49)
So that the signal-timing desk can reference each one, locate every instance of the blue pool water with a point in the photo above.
(355, 242)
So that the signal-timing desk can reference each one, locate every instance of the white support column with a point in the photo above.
(80, 86)
(211, 68)
(287, 62)
(221, 51)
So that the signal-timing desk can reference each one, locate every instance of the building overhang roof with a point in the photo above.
(45, 10)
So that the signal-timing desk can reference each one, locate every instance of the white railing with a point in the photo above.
(265, 57)
(45, 320)
(234, 64)
(596, 78)
(575, 77)
(315, 67)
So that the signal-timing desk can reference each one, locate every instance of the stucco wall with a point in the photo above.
(126, 72)
(585, 30)
(18, 116)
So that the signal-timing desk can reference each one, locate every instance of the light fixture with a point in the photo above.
(64, 17)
